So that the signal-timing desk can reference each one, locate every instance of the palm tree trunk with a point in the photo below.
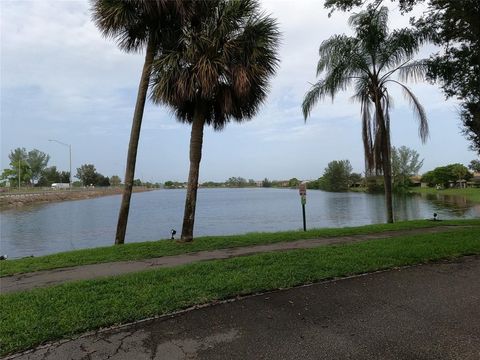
(388, 171)
(196, 141)
(386, 159)
(387, 179)
(133, 145)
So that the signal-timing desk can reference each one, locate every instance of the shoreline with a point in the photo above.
(19, 200)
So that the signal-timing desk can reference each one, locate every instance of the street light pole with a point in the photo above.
(70, 153)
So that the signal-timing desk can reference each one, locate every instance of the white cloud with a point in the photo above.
(61, 79)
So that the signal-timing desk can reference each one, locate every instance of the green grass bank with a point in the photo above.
(31, 318)
(152, 249)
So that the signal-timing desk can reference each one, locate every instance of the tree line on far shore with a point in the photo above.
(406, 165)
(238, 182)
(30, 169)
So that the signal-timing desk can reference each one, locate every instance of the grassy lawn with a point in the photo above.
(30, 318)
(144, 250)
(471, 194)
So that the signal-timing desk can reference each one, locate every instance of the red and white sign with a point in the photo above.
(302, 189)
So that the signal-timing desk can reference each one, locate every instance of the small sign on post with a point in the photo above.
(302, 189)
(303, 199)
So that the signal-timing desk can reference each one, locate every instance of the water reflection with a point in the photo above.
(55, 227)
(339, 208)
(451, 205)
(408, 207)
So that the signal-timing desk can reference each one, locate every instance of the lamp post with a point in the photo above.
(70, 153)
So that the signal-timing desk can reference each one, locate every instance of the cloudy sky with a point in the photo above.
(61, 80)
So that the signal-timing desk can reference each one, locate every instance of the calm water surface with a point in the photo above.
(50, 228)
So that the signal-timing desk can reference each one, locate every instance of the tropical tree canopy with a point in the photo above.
(474, 165)
(346, 5)
(405, 164)
(336, 176)
(454, 26)
(368, 61)
(221, 64)
(87, 173)
(135, 25)
(38, 161)
(216, 71)
(29, 164)
(446, 174)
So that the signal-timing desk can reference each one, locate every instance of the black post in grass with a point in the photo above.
(303, 198)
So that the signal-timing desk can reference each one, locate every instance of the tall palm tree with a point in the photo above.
(217, 72)
(135, 25)
(368, 61)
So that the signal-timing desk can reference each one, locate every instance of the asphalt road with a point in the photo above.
(423, 312)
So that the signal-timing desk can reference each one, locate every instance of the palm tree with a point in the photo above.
(136, 24)
(369, 60)
(217, 72)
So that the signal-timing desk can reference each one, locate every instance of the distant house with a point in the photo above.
(416, 181)
(475, 180)
(458, 184)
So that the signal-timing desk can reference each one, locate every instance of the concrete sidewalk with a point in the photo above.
(38, 279)
(422, 312)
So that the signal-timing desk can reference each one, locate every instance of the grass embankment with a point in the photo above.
(33, 196)
(145, 250)
(30, 318)
(471, 194)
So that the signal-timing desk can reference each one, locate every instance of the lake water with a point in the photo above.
(54, 227)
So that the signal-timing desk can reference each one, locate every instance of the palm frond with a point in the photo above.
(418, 110)
(362, 86)
(371, 26)
(399, 47)
(337, 49)
(120, 20)
(222, 60)
(369, 59)
(316, 92)
(415, 70)
(131, 23)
